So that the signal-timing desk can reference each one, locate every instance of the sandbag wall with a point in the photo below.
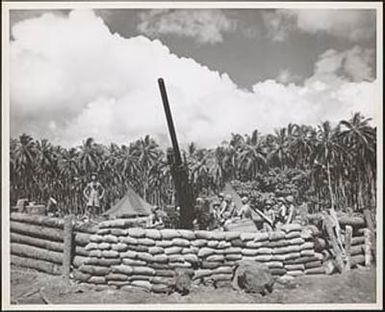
(148, 258)
(37, 242)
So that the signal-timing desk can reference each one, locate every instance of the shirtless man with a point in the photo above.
(93, 192)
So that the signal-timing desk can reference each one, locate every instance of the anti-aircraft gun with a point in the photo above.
(179, 171)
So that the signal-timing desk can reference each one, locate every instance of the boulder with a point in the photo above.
(253, 277)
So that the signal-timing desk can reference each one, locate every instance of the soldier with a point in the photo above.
(93, 192)
(155, 220)
(245, 211)
(228, 210)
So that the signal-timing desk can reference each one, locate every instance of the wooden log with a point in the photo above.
(37, 242)
(36, 253)
(369, 220)
(39, 231)
(67, 246)
(348, 243)
(368, 247)
(40, 265)
(37, 220)
(343, 219)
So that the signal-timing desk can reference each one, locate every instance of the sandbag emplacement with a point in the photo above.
(38, 231)
(39, 265)
(36, 253)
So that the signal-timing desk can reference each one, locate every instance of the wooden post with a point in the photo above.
(369, 220)
(67, 248)
(368, 247)
(348, 243)
(333, 240)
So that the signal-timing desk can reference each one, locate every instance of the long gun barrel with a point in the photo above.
(171, 128)
(183, 194)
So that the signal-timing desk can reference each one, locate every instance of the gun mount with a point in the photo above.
(184, 194)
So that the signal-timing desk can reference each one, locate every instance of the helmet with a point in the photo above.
(290, 199)
(221, 195)
(245, 199)
(228, 197)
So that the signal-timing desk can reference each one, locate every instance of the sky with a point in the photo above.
(93, 73)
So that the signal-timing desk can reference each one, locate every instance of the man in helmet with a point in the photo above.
(155, 220)
(245, 211)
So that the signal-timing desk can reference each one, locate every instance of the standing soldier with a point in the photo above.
(93, 192)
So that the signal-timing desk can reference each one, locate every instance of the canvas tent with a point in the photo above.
(228, 189)
(131, 205)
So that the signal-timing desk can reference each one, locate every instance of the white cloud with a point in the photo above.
(71, 78)
(285, 76)
(353, 24)
(205, 26)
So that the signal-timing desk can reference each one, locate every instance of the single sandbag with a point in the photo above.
(212, 243)
(295, 273)
(94, 270)
(177, 264)
(186, 234)
(190, 250)
(155, 250)
(217, 235)
(110, 238)
(192, 258)
(97, 280)
(133, 262)
(116, 277)
(205, 252)
(180, 242)
(273, 236)
(246, 236)
(211, 265)
(307, 245)
(123, 269)
(160, 265)
(96, 238)
(175, 258)
(265, 251)
(313, 264)
(202, 273)
(104, 246)
(203, 234)
(232, 250)
(163, 243)
(233, 257)
(160, 288)
(143, 271)
(263, 258)
(153, 234)
(128, 240)
(145, 241)
(173, 250)
(252, 244)
(249, 252)
(319, 270)
(136, 232)
(142, 284)
(294, 267)
(223, 245)
(291, 227)
(199, 243)
(294, 234)
(110, 254)
(102, 261)
(169, 234)
(278, 271)
(95, 253)
(119, 232)
(307, 252)
(292, 255)
(238, 243)
(164, 272)
(103, 231)
(81, 276)
(229, 236)
(161, 258)
(223, 270)
(274, 264)
(145, 256)
(129, 254)
(119, 247)
(215, 258)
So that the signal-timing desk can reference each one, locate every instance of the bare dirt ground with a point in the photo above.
(32, 287)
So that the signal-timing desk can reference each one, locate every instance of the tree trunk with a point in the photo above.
(330, 186)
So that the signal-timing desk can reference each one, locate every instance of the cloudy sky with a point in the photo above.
(93, 73)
